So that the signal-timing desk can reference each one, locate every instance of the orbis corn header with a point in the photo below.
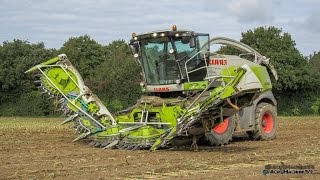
(190, 94)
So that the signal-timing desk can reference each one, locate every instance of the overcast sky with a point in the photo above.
(54, 21)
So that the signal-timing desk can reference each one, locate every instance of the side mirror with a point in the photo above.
(136, 47)
(192, 42)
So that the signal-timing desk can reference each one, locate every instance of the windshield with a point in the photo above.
(159, 58)
(159, 64)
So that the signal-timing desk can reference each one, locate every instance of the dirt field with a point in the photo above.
(42, 149)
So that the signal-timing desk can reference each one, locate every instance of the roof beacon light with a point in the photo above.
(174, 27)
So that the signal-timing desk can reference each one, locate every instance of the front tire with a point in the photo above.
(221, 134)
(266, 123)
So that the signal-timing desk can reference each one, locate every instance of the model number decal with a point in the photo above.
(218, 62)
(161, 89)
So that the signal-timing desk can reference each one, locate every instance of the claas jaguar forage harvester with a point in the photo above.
(189, 94)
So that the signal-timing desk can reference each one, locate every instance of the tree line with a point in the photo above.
(112, 73)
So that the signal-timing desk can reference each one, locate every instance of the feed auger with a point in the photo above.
(190, 94)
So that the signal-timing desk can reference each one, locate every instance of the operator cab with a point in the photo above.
(171, 57)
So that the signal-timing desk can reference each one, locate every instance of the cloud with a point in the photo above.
(54, 21)
(248, 11)
(312, 22)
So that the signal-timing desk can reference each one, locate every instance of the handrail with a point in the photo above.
(258, 58)
(235, 44)
(186, 68)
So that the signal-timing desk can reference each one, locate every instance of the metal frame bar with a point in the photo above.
(131, 128)
(203, 67)
(181, 120)
(153, 123)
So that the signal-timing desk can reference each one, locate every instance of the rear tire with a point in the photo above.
(221, 134)
(266, 123)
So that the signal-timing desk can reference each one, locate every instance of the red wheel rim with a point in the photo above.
(222, 127)
(267, 122)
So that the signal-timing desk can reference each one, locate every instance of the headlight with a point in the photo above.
(142, 84)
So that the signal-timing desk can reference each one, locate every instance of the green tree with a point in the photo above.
(314, 67)
(17, 88)
(314, 63)
(15, 58)
(84, 53)
(117, 79)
